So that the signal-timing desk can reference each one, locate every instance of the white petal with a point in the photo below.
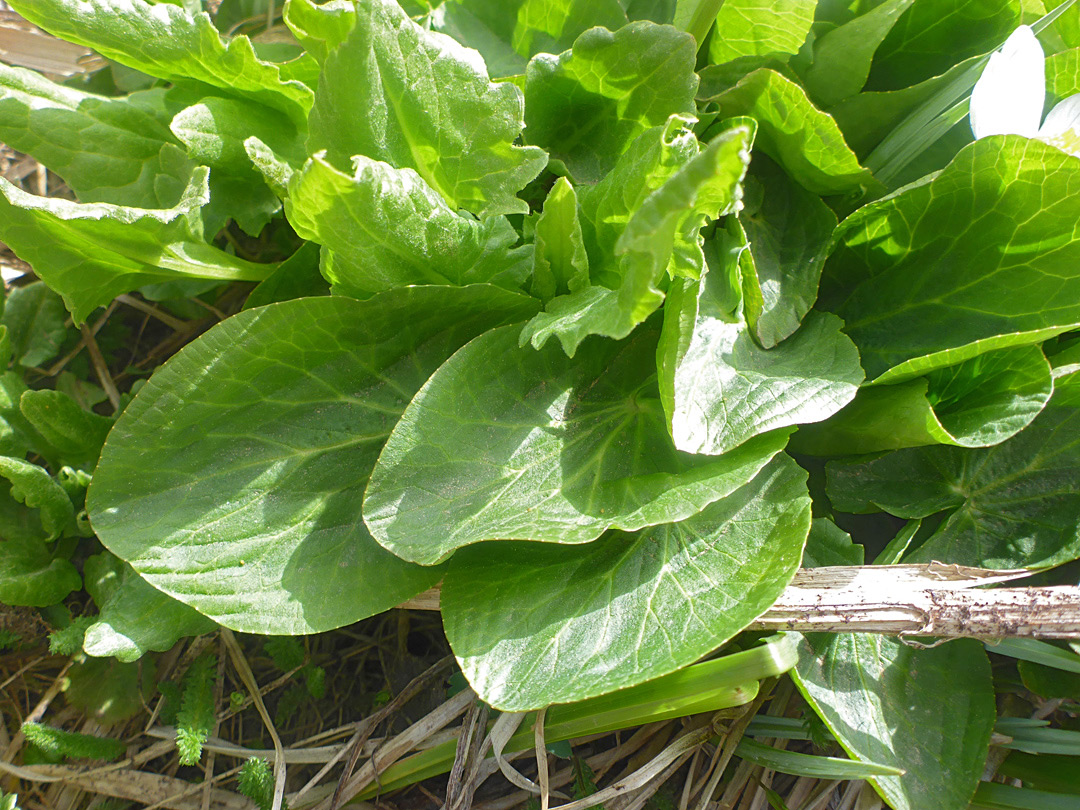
(1008, 98)
(1062, 126)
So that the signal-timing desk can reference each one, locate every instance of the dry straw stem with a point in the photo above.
(920, 600)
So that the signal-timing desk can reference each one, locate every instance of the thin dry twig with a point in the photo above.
(101, 368)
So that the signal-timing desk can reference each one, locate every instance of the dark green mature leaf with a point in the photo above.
(137, 618)
(488, 26)
(843, 56)
(789, 234)
(644, 220)
(1011, 506)
(720, 388)
(30, 574)
(805, 141)
(560, 262)
(933, 35)
(760, 28)
(33, 486)
(77, 435)
(388, 228)
(929, 711)
(828, 544)
(90, 253)
(416, 99)
(17, 435)
(552, 26)
(985, 255)
(524, 445)
(106, 149)
(164, 40)
(587, 105)
(250, 512)
(532, 624)
(296, 277)
(978, 403)
(34, 316)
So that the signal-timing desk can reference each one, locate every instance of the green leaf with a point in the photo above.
(844, 54)
(35, 319)
(1013, 505)
(172, 45)
(552, 26)
(250, 512)
(77, 435)
(789, 237)
(137, 618)
(533, 624)
(806, 142)
(106, 149)
(31, 575)
(637, 230)
(488, 26)
(90, 253)
(720, 388)
(978, 403)
(388, 228)
(17, 435)
(828, 544)
(985, 255)
(933, 35)
(760, 28)
(320, 27)
(928, 711)
(560, 263)
(416, 99)
(814, 766)
(587, 105)
(296, 277)
(521, 444)
(32, 485)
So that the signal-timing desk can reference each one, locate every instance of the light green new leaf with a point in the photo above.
(106, 149)
(720, 388)
(978, 403)
(136, 618)
(760, 28)
(33, 486)
(416, 99)
(843, 55)
(251, 511)
(560, 263)
(1013, 505)
(532, 624)
(164, 40)
(34, 316)
(983, 256)
(518, 444)
(77, 435)
(929, 712)
(320, 27)
(90, 253)
(587, 105)
(789, 234)
(30, 575)
(388, 228)
(551, 26)
(806, 142)
(634, 234)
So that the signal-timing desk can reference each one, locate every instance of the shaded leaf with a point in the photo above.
(1013, 505)
(33, 486)
(31, 575)
(35, 319)
(77, 435)
(927, 711)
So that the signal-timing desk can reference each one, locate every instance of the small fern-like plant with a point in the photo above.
(257, 783)
(195, 719)
(55, 742)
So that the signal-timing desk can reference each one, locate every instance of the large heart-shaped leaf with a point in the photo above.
(533, 624)
(233, 481)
